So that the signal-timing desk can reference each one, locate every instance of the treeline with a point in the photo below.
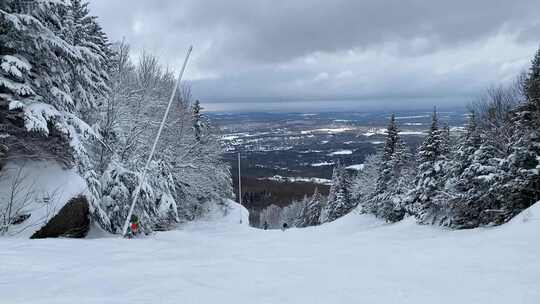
(481, 176)
(68, 94)
(484, 176)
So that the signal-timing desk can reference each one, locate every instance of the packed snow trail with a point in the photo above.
(356, 259)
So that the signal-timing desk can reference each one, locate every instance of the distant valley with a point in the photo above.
(285, 156)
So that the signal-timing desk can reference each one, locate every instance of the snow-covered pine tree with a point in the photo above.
(272, 216)
(429, 178)
(311, 213)
(468, 144)
(33, 68)
(521, 187)
(25, 64)
(457, 184)
(339, 198)
(460, 151)
(532, 82)
(501, 178)
(88, 78)
(474, 202)
(386, 167)
(364, 183)
(394, 208)
(392, 179)
(430, 150)
(198, 122)
(292, 214)
(446, 141)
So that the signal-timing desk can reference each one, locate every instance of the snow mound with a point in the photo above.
(531, 214)
(220, 216)
(351, 223)
(233, 213)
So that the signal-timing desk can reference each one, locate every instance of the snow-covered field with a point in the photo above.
(295, 179)
(357, 167)
(341, 152)
(356, 259)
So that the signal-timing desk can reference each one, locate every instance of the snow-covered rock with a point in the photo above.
(38, 188)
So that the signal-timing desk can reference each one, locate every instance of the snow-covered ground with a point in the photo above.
(356, 259)
(328, 130)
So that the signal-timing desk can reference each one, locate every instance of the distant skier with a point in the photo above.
(284, 227)
(133, 226)
(265, 225)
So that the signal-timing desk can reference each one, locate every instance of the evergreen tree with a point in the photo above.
(292, 214)
(198, 123)
(446, 141)
(532, 82)
(33, 58)
(339, 198)
(392, 181)
(521, 187)
(386, 167)
(457, 184)
(469, 143)
(430, 150)
(475, 203)
(90, 72)
(429, 177)
(272, 216)
(364, 185)
(495, 184)
(311, 212)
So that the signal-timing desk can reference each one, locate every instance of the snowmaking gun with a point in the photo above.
(151, 155)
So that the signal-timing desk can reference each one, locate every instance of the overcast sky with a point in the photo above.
(369, 53)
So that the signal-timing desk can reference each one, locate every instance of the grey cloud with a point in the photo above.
(530, 34)
(275, 49)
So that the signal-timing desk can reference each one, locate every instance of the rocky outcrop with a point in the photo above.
(72, 221)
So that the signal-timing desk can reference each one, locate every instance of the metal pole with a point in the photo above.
(143, 177)
(239, 186)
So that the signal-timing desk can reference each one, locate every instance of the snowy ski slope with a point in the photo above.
(356, 259)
